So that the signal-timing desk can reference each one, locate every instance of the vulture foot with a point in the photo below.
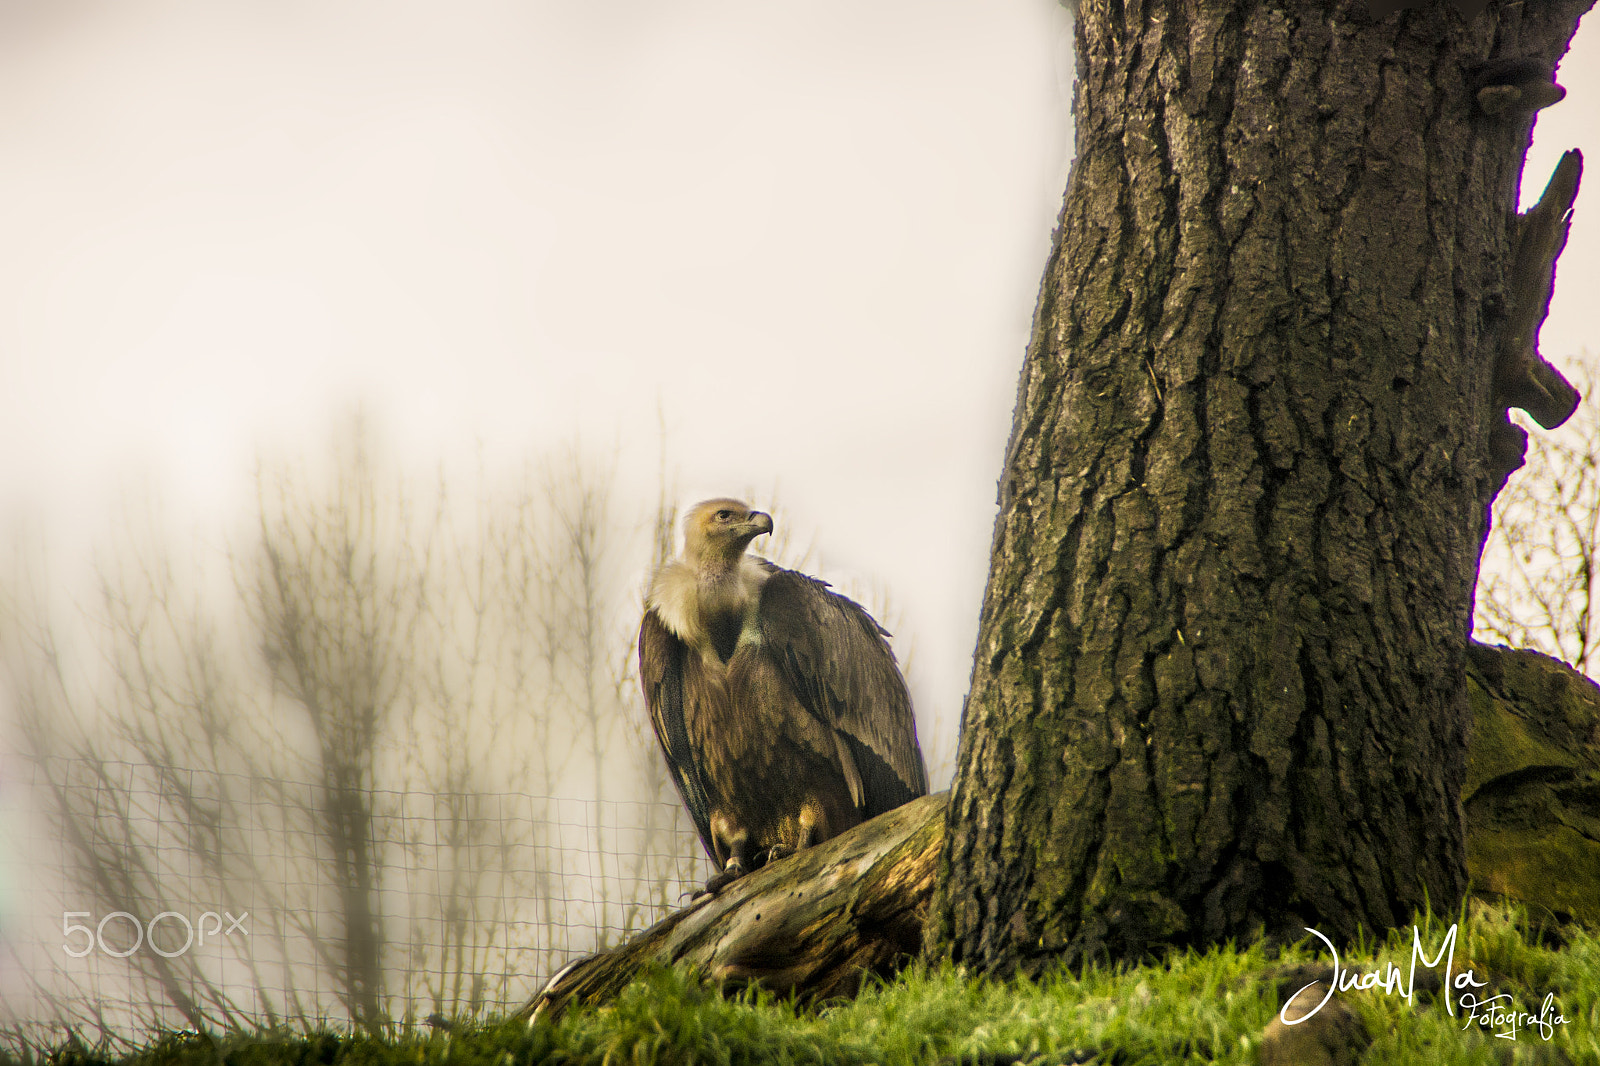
(730, 873)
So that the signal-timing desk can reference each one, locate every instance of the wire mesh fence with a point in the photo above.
(137, 898)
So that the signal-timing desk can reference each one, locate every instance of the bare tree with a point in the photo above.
(113, 753)
(362, 734)
(337, 592)
(587, 562)
(1537, 584)
(578, 564)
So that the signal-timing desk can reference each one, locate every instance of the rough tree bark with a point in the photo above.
(1220, 679)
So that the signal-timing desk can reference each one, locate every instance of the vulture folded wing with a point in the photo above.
(661, 671)
(837, 661)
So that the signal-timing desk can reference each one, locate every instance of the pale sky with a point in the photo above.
(809, 234)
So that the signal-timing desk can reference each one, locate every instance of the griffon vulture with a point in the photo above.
(778, 704)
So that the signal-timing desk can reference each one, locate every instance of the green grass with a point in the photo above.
(1208, 1007)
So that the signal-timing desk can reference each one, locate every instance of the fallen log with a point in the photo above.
(812, 924)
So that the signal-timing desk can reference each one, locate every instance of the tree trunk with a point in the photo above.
(1220, 677)
(812, 924)
(348, 826)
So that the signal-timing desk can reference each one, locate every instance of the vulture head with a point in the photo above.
(716, 533)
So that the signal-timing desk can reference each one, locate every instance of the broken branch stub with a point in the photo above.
(1522, 378)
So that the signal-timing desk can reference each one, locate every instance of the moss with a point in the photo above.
(1532, 794)
(1554, 868)
(1504, 743)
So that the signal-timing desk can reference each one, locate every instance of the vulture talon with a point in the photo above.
(730, 873)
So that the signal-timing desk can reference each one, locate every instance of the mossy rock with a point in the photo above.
(1532, 794)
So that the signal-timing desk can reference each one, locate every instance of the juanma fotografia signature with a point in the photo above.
(1497, 1013)
(1493, 1014)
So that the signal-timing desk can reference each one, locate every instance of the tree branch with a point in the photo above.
(1522, 378)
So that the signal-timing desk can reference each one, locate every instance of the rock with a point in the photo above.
(1333, 1036)
(1532, 794)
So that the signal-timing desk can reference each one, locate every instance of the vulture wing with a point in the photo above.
(836, 660)
(661, 657)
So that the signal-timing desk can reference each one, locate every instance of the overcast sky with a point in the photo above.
(810, 235)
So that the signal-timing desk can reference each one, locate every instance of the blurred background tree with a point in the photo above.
(1537, 580)
(325, 726)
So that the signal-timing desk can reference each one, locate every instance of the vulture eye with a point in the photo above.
(723, 516)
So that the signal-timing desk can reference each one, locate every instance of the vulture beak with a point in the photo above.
(758, 523)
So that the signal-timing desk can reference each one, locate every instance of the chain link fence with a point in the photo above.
(136, 899)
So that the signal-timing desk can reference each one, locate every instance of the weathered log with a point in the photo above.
(814, 923)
